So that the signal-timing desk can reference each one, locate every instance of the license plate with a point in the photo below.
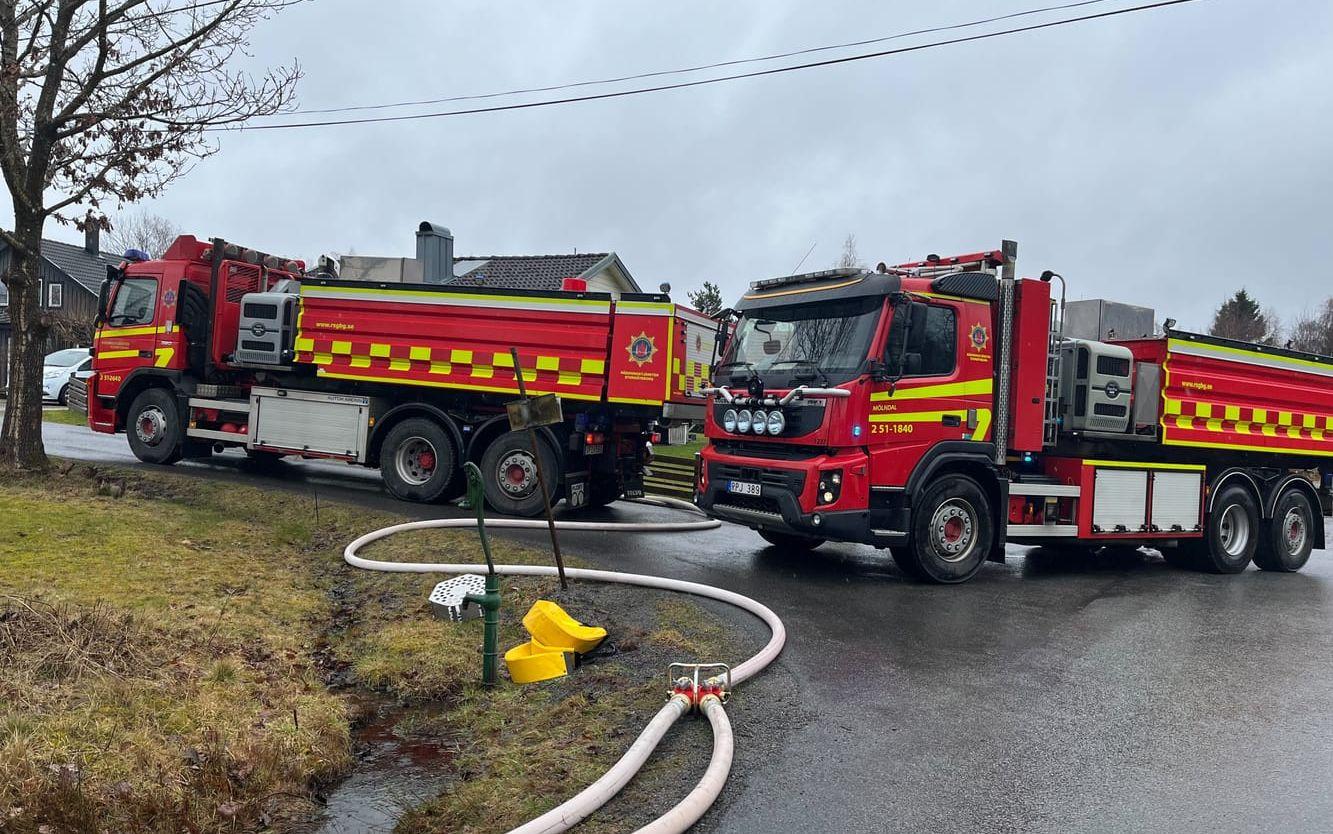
(595, 449)
(743, 487)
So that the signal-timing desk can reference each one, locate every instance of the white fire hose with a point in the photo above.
(577, 808)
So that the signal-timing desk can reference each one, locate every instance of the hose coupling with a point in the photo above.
(694, 682)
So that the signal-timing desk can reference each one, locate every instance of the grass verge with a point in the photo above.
(64, 416)
(172, 652)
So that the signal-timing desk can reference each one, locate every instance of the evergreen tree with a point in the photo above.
(1241, 318)
(707, 299)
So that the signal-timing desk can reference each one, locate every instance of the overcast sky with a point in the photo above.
(1162, 158)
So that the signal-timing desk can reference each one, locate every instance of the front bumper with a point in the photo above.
(51, 387)
(786, 502)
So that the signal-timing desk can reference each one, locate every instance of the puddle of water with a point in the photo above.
(391, 776)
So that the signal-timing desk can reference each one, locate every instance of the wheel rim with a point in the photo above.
(1234, 530)
(1295, 530)
(517, 474)
(416, 461)
(953, 530)
(151, 426)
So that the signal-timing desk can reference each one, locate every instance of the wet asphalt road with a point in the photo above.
(1109, 693)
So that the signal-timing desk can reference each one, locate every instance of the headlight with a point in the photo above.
(743, 420)
(777, 422)
(51, 374)
(760, 422)
(729, 420)
(830, 486)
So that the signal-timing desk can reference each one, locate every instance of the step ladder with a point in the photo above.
(1051, 424)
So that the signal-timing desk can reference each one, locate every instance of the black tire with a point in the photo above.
(62, 398)
(1232, 533)
(418, 460)
(952, 530)
(154, 427)
(509, 474)
(791, 542)
(1286, 540)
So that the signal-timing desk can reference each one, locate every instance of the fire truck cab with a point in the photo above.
(937, 408)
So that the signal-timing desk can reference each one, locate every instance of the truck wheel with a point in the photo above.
(154, 426)
(1232, 533)
(417, 460)
(1287, 540)
(952, 531)
(509, 474)
(791, 542)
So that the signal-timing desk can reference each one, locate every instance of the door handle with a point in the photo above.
(145, 354)
(951, 420)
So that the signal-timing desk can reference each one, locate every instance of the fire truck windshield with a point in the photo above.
(826, 343)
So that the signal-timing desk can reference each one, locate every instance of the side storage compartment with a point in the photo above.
(1120, 501)
(1177, 502)
(302, 421)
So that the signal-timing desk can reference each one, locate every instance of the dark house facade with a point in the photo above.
(71, 277)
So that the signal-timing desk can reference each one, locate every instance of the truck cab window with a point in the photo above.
(136, 302)
(931, 341)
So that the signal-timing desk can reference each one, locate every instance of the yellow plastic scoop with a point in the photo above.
(531, 662)
(552, 627)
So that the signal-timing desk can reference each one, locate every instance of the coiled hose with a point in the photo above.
(578, 807)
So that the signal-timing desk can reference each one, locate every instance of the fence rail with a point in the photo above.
(672, 477)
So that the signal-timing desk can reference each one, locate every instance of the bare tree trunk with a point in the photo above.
(21, 433)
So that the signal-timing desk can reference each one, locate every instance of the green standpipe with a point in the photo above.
(489, 601)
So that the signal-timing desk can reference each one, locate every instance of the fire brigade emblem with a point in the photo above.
(979, 336)
(641, 349)
(169, 298)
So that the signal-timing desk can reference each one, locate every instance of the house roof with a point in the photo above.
(87, 270)
(76, 262)
(532, 272)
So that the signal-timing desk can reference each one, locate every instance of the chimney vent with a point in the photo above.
(435, 252)
(92, 234)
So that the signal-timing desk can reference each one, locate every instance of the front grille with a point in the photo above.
(787, 479)
(77, 396)
(750, 503)
(1109, 410)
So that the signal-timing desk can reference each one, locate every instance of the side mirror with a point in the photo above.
(103, 296)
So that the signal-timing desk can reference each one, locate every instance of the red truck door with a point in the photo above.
(129, 338)
(945, 388)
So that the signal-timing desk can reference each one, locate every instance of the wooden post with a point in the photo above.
(541, 478)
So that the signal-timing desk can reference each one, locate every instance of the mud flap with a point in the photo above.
(576, 490)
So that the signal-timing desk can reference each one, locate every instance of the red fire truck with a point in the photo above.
(942, 408)
(215, 345)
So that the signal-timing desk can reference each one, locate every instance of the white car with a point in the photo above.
(59, 368)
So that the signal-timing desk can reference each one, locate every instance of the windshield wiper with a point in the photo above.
(808, 362)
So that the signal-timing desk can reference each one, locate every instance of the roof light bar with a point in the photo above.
(805, 278)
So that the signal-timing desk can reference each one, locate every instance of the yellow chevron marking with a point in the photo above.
(593, 366)
(305, 345)
(360, 362)
(400, 365)
(460, 357)
(441, 368)
(419, 354)
(341, 348)
(1233, 412)
(1171, 407)
(548, 363)
(164, 355)
(1203, 409)
(1284, 418)
(379, 351)
(323, 358)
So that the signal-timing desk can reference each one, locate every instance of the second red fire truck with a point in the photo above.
(216, 345)
(944, 407)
